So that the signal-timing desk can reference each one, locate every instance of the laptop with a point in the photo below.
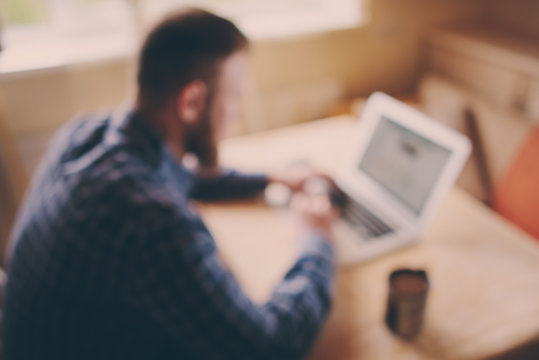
(402, 166)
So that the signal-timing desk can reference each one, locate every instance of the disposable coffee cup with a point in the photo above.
(406, 302)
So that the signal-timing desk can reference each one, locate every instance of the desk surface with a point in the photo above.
(484, 273)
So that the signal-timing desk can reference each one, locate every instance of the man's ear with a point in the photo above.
(192, 101)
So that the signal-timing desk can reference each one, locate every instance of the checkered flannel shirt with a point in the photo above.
(112, 261)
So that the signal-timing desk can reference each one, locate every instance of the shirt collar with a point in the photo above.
(132, 129)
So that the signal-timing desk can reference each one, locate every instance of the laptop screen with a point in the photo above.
(405, 163)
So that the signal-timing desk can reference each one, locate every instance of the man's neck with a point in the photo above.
(164, 120)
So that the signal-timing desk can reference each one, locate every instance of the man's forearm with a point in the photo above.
(305, 295)
(228, 185)
(193, 297)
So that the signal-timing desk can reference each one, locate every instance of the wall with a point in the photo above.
(314, 72)
(520, 15)
(293, 80)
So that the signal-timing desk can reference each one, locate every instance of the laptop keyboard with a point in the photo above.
(362, 220)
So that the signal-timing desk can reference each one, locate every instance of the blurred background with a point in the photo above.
(472, 64)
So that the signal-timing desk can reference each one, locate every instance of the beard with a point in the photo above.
(200, 140)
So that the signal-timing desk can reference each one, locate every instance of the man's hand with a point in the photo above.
(316, 211)
(295, 178)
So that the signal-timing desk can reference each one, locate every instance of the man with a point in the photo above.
(111, 260)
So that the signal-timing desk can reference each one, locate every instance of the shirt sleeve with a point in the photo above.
(180, 285)
(229, 184)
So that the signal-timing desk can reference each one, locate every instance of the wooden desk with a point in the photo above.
(484, 273)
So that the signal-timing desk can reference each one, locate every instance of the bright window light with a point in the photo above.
(47, 33)
(274, 18)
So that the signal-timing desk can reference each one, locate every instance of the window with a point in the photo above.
(45, 33)
(275, 18)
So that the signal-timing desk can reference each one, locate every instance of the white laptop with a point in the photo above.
(403, 165)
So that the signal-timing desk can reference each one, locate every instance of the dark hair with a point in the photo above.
(185, 46)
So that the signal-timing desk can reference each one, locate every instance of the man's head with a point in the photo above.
(190, 69)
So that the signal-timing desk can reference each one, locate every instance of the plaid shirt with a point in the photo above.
(112, 261)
